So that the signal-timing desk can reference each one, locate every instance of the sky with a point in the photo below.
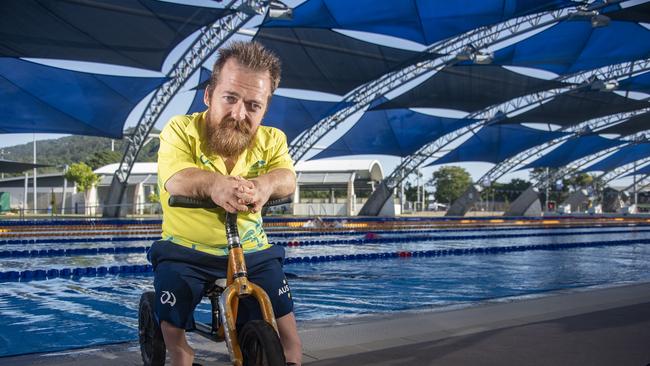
(183, 99)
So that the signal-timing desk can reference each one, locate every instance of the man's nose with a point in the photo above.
(238, 111)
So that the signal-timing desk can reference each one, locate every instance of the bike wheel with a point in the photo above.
(152, 344)
(260, 345)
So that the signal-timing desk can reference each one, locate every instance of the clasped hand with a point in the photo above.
(237, 194)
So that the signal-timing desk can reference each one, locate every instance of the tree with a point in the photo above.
(82, 175)
(507, 192)
(450, 182)
(100, 158)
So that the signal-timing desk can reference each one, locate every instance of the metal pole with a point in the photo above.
(65, 188)
(634, 186)
(35, 204)
(548, 188)
(25, 193)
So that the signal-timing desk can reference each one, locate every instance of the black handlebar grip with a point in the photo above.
(189, 202)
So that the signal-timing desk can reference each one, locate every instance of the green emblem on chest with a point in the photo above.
(257, 168)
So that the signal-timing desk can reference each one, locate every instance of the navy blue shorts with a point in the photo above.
(183, 275)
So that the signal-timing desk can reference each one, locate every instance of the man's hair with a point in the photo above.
(251, 55)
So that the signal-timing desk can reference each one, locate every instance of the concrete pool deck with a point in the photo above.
(603, 326)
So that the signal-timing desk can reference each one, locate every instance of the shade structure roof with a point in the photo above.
(638, 123)
(327, 61)
(420, 21)
(398, 132)
(573, 149)
(573, 46)
(469, 88)
(197, 103)
(576, 106)
(640, 83)
(291, 115)
(637, 13)
(39, 98)
(626, 155)
(7, 166)
(645, 170)
(495, 143)
(123, 32)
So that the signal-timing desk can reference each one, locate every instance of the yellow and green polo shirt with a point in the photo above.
(182, 146)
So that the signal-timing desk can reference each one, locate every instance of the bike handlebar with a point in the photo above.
(189, 202)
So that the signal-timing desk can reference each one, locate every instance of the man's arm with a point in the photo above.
(223, 190)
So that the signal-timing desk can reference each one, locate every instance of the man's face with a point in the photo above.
(236, 107)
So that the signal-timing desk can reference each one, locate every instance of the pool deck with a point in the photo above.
(609, 326)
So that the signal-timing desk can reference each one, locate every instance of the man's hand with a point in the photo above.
(254, 198)
(226, 191)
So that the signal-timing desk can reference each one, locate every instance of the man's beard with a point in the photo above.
(230, 137)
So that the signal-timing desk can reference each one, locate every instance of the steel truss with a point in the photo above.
(495, 113)
(620, 171)
(210, 39)
(449, 50)
(537, 151)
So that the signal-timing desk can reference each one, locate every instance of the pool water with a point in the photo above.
(59, 314)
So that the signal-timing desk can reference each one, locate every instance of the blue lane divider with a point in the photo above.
(70, 252)
(77, 240)
(459, 251)
(42, 274)
(291, 234)
(369, 239)
(374, 239)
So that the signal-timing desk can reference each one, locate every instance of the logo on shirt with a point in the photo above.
(257, 168)
(204, 160)
(168, 298)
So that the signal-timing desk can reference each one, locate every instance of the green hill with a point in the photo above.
(94, 151)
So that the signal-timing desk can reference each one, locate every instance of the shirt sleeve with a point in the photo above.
(175, 152)
(279, 157)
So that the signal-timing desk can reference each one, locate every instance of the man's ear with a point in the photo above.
(206, 97)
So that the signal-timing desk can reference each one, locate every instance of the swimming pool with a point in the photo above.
(336, 275)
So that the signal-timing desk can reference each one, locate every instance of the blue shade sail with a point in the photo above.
(576, 106)
(123, 32)
(291, 115)
(638, 123)
(625, 155)
(574, 149)
(421, 21)
(469, 88)
(398, 132)
(636, 13)
(496, 143)
(327, 61)
(639, 83)
(197, 103)
(645, 170)
(38, 98)
(573, 46)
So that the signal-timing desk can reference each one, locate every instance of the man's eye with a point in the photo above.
(230, 99)
(256, 107)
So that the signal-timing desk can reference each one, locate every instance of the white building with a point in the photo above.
(353, 177)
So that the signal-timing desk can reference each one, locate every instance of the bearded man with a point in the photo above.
(225, 155)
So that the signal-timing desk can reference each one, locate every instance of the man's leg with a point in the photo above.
(290, 339)
(180, 352)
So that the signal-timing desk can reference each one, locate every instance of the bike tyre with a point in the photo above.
(260, 345)
(152, 343)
